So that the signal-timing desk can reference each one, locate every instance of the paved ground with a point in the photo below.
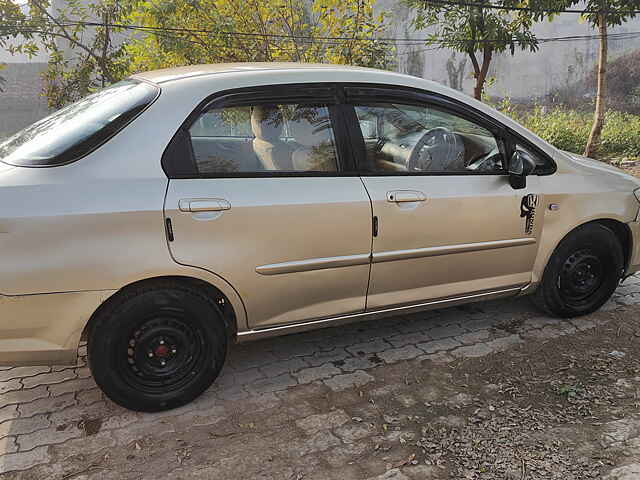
(295, 407)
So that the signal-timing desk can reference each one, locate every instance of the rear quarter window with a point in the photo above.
(77, 129)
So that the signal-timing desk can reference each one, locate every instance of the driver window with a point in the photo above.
(412, 138)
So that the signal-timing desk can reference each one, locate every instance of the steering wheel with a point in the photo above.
(433, 151)
(488, 162)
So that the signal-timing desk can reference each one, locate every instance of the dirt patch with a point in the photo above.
(547, 407)
(534, 411)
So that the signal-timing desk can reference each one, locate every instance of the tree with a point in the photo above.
(82, 58)
(200, 31)
(475, 30)
(603, 14)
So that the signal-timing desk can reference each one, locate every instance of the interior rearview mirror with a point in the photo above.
(521, 165)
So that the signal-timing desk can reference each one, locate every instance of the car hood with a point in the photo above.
(595, 167)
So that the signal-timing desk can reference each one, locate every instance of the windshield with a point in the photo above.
(79, 128)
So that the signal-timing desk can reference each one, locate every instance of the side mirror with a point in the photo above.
(520, 166)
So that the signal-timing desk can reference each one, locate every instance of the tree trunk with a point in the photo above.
(598, 119)
(480, 72)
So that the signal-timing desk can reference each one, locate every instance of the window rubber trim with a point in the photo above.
(329, 94)
(370, 92)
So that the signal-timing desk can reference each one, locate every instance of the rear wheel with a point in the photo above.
(157, 346)
(582, 273)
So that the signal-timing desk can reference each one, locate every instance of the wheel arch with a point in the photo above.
(620, 229)
(232, 314)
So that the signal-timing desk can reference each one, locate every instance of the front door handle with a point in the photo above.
(401, 196)
(203, 205)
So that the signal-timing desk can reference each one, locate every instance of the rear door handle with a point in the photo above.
(203, 205)
(401, 196)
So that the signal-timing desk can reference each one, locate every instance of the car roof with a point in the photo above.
(197, 83)
(178, 73)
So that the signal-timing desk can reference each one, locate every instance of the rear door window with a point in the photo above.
(79, 128)
(285, 137)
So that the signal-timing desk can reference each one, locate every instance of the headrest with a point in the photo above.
(266, 122)
(310, 126)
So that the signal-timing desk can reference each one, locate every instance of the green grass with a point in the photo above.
(569, 129)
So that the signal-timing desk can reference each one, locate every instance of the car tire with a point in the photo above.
(157, 346)
(582, 273)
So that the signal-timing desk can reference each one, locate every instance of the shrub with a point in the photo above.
(569, 130)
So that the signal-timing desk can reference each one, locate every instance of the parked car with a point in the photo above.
(180, 210)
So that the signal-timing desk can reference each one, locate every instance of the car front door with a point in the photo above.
(448, 222)
(261, 195)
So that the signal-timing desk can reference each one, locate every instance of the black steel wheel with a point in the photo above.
(158, 346)
(582, 273)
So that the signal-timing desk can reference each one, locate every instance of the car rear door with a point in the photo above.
(283, 217)
(444, 230)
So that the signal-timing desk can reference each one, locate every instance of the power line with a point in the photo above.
(459, 3)
(398, 41)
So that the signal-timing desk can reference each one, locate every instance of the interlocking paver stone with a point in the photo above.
(472, 351)
(8, 412)
(322, 357)
(312, 374)
(72, 386)
(286, 366)
(85, 445)
(7, 445)
(20, 426)
(47, 437)
(473, 337)
(500, 344)
(250, 375)
(49, 411)
(360, 362)
(348, 380)
(23, 396)
(374, 346)
(88, 397)
(23, 460)
(438, 345)
(266, 385)
(48, 378)
(21, 372)
(46, 405)
(409, 339)
(10, 385)
(397, 354)
(446, 331)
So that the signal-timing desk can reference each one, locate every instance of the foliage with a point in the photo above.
(195, 31)
(473, 29)
(569, 129)
(81, 58)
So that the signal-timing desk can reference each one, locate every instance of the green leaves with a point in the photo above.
(283, 30)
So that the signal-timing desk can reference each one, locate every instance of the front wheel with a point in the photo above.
(582, 273)
(157, 346)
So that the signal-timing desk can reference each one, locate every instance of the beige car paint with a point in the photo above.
(72, 235)
(274, 220)
(482, 210)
